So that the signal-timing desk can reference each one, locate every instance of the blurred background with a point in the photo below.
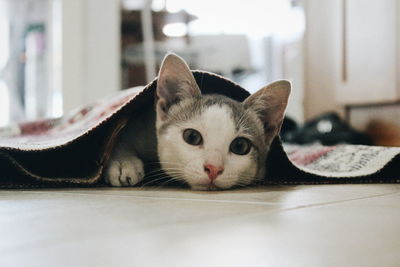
(341, 56)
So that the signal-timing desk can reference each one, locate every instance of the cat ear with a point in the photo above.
(270, 103)
(175, 82)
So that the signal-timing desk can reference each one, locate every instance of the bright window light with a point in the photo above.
(158, 5)
(4, 104)
(175, 29)
(256, 18)
(178, 5)
(4, 55)
(4, 37)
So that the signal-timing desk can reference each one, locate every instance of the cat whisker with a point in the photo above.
(162, 174)
(163, 170)
(166, 177)
(159, 171)
(169, 180)
(155, 180)
(168, 162)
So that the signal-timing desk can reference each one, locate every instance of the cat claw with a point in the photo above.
(126, 172)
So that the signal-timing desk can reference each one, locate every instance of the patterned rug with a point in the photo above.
(73, 150)
(343, 163)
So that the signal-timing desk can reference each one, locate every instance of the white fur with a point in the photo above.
(125, 171)
(186, 161)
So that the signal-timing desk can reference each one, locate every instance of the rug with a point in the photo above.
(73, 150)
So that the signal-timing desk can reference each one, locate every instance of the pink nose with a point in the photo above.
(213, 171)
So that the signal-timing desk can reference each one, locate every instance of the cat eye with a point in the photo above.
(192, 137)
(240, 146)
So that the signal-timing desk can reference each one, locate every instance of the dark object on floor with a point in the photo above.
(289, 127)
(328, 129)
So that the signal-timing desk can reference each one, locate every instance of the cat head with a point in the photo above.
(211, 141)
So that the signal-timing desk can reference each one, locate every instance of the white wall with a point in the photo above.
(293, 69)
(90, 50)
(221, 52)
(321, 55)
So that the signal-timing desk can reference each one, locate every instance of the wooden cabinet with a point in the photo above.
(368, 70)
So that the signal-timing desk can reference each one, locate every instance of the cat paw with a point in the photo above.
(125, 172)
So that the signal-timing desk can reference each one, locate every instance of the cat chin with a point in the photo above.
(209, 187)
(206, 187)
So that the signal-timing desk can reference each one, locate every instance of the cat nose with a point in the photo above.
(213, 171)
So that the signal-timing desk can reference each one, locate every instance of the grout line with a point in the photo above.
(159, 198)
(330, 203)
(265, 203)
(279, 210)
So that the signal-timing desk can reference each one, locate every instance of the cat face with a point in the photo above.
(211, 141)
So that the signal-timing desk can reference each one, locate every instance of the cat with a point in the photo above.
(209, 142)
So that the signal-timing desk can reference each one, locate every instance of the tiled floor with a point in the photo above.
(322, 225)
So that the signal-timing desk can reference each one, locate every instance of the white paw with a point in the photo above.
(125, 172)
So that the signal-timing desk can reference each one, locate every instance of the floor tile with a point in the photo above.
(283, 196)
(341, 225)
